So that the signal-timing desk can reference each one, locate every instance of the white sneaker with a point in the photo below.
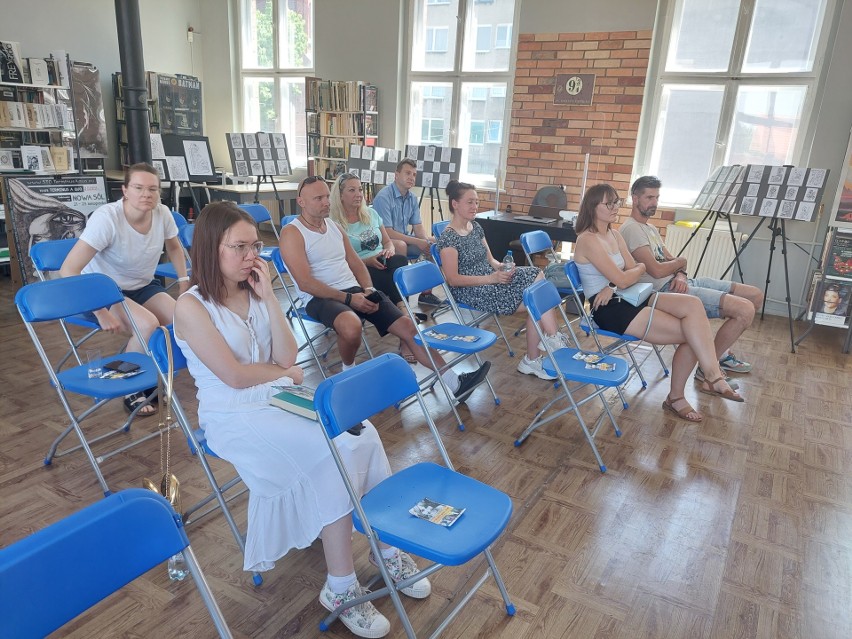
(363, 620)
(529, 366)
(402, 567)
(556, 341)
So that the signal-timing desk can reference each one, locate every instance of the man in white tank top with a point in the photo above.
(335, 286)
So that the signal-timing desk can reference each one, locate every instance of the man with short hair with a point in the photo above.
(734, 302)
(399, 209)
(335, 286)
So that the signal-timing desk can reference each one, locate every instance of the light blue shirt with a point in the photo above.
(398, 212)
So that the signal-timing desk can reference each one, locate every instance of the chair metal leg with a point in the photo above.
(657, 351)
(206, 594)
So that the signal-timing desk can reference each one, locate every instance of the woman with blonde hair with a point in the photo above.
(606, 265)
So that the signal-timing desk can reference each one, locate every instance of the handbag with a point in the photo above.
(635, 294)
(169, 486)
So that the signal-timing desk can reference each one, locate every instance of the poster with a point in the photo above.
(89, 111)
(50, 208)
(843, 200)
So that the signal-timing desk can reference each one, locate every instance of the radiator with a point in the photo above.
(720, 252)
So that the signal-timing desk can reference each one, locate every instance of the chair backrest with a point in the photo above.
(536, 242)
(350, 397)
(257, 211)
(439, 226)
(553, 197)
(180, 220)
(540, 297)
(278, 261)
(48, 256)
(185, 235)
(287, 219)
(53, 575)
(573, 274)
(61, 298)
(157, 346)
(415, 278)
(436, 254)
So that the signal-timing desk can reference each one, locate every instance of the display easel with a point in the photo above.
(269, 179)
(261, 155)
(432, 198)
(760, 192)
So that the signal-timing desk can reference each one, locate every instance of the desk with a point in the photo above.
(244, 194)
(501, 228)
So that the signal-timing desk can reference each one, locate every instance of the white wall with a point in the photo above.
(581, 16)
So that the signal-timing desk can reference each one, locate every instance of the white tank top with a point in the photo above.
(326, 254)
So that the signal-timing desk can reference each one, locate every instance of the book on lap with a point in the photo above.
(298, 400)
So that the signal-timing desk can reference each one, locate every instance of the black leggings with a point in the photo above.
(383, 278)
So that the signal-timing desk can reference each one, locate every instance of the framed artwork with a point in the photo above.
(843, 201)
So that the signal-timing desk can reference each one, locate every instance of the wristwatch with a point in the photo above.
(612, 286)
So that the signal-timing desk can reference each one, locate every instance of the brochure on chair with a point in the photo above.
(436, 512)
(296, 399)
(454, 338)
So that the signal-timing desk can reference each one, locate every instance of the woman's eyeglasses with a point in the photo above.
(242, 250)
(615, 204)
(309, 180)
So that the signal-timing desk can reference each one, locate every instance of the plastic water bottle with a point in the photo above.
(508, 261)
(177, 567)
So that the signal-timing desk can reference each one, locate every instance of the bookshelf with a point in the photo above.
(174, 106)
(338, 113)
(37, 130)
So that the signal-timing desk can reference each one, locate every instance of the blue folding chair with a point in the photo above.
(197, 441)
(458, 338)
(261, 216)
(48, 257)
(477, 315)
(588, 326)
(166, 270)
(347, 399)
(438, 228)
(63, 298)
(53, 575)
(539, 298)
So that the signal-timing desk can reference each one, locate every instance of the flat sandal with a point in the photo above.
(728, 394)
(668, 405)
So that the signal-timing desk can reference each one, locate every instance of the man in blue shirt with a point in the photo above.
(399, 209)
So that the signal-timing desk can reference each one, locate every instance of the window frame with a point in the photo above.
(457, 77)
(488, 138)
(489, 40)
(731, 79)
(431, 41)
(278, 74)
(506, 43)
(423, 121)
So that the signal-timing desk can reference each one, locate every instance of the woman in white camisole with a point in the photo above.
(605, 264)
(238, 346)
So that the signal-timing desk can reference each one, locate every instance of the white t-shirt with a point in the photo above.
(127, 256)
(636, 235)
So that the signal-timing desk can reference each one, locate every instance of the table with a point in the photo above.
(502, 228)
(245, 193)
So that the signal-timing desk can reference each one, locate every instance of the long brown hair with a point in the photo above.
(594, 196)
(212, 224)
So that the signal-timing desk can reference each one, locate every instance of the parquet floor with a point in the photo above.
(738, 527)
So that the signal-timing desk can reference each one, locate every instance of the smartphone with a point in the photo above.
(121, 366)
(375, 297)
(382, 260)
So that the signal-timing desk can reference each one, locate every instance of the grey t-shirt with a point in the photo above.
(637, 235)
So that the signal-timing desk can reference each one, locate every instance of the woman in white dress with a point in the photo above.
(238, 346)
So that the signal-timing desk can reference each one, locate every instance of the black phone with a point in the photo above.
(375, 297)
(121, 366)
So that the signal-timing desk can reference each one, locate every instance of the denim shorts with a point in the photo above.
(709, 291)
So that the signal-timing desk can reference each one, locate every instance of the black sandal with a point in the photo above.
(132, 402)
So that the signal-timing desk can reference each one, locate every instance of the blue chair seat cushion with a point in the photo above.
(76, 380)
(483, 340)
(576, 369)
(167, 269)
(387, 505)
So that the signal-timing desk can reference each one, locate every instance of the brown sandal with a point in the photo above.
(732, 395)
(668, 405)
(407, 355)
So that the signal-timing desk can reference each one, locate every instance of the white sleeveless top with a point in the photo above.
(326, 254)
(593, 281)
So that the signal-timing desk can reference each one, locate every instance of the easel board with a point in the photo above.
(436, 165)
(187, 158)
(49, 208)
(258, 154)
(788, 192)
(374, 164)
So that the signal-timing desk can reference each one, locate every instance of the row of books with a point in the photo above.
(25, 115)
(17, 70)
(334, 148)
(332, 95)
(352, 124)
(40, 159)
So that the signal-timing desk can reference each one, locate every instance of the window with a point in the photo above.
(438, 2)
(734, 84)
(477, 132)
(465, 84)
(483, 38)
(503, 36)
(276, 53)
(432, 131)
(436, 39)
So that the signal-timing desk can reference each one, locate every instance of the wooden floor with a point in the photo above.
(738, 527)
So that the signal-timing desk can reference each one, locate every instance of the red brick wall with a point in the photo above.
(548, 142)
